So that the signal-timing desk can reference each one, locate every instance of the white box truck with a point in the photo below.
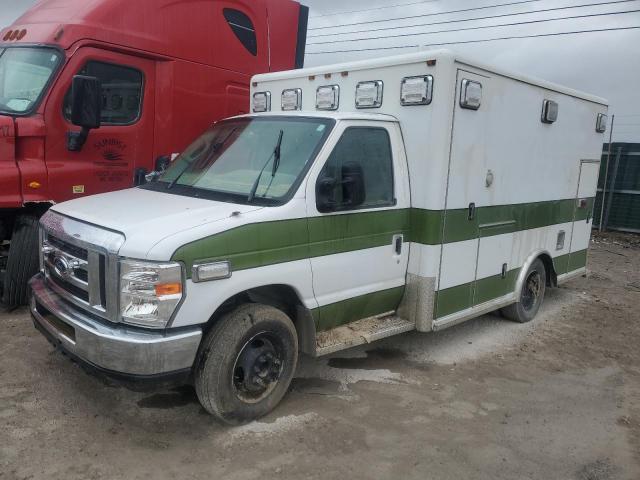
(357, 202)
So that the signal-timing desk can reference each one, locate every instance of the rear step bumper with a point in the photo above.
(116, 350)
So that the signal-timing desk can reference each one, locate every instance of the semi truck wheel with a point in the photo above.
(246, 363)
(22, 263)
(531, 295)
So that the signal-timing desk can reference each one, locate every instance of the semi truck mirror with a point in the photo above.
(162, 163)
(86, 109)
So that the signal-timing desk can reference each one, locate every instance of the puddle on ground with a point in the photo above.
(316, 386)
(176, 397)
(374, 360)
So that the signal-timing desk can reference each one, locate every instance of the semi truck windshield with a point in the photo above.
(24, 74)
(229, 159)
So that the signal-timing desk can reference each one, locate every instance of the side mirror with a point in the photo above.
(86, 109)
(162, 163)
(353, 191)
(325, 194)
(352, 185)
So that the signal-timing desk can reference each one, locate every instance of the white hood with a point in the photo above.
(145, 217)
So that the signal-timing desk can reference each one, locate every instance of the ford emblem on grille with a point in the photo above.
(61, 266)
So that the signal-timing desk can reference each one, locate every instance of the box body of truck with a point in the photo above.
(358, 201)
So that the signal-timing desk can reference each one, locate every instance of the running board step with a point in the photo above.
(360, 332)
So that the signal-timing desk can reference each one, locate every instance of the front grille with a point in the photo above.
(80, 264)
(74, 270)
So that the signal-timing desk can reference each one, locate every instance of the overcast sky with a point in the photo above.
(606, 64)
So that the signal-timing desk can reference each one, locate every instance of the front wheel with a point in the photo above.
(246, 364)
(531, 295)
(22, 263)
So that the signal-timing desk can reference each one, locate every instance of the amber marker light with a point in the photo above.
(22, 34)
(35, 185)
(165, 289)
(7, 35)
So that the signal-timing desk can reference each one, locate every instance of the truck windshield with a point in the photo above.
(257, 160)
(24, 74)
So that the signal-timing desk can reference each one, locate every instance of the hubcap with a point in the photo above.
(258, 367)
(531, 290)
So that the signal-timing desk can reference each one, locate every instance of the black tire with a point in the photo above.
(22, 263)
(531, 295)
(246, 363)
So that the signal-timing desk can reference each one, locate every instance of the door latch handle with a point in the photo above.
(472, 211)
(397, 244)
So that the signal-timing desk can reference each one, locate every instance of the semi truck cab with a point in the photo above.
(164, 71)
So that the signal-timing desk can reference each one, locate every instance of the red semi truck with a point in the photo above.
(163, 71)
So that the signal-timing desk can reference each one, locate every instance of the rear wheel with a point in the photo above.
(22, 263)
(531, 295)
(246, 363)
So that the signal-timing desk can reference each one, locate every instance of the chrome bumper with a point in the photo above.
(118, 348)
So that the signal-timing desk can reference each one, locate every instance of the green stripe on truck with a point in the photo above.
(269, 243)
(364, 306)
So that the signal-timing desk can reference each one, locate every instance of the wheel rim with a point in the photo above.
(258, 367)
(531, 291)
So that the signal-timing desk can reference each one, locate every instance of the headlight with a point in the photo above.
(149, 292)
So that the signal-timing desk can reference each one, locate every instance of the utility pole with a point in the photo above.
(606, 175)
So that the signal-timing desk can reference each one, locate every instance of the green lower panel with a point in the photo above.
(454, 299)
(346, 311)
(461, 297)
(570, 262)
(577, 260)
(561, 264)
(495, 287)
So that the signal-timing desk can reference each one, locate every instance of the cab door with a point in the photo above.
(124, 141)
(358, 241)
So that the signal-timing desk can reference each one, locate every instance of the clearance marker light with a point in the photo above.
(292, 99)
(369, 94)
(261, 102)
(328, 97)
(416, 90)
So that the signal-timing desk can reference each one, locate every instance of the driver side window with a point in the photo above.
(359, 172)
(121, 92)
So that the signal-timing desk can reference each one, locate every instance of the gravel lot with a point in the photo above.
(555, 399)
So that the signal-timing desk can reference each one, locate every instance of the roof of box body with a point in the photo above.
(423, 56)
(380, 117)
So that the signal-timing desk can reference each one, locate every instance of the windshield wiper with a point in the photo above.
(214, 148)
(276, 164)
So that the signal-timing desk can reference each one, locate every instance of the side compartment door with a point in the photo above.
(358, 239)
(466, 194)
(124, 141)
(583, 214)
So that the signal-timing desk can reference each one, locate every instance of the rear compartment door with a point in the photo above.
(466, 195)
(583, 215)
(123, 143)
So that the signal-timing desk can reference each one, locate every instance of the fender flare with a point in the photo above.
(533, 256)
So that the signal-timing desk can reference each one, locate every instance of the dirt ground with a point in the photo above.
(555, 399)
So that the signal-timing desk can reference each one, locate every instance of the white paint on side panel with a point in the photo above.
(581, 235)
(203, 299)
(494, 251)
(351, 274)
(458, 263)
(424, 260)
(589, 173)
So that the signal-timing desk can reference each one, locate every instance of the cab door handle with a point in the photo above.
(397, 243)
